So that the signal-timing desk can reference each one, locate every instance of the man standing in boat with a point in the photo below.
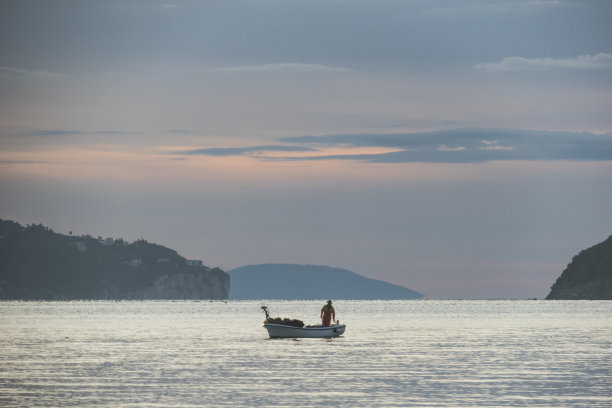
(328, 313)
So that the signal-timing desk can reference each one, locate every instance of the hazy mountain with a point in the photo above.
(37, 263)
(588, 276)
(286, 281)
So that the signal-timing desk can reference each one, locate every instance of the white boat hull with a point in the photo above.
(283, 331)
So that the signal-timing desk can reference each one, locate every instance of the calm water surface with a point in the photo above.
(393, 354)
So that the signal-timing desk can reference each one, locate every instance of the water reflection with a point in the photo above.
(403, 353)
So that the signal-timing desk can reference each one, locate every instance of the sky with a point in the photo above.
(461, 149)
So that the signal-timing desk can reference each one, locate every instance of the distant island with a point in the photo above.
(588, 276)
(37, 263)
(308, 282)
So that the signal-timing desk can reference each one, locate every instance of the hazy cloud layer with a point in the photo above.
(179, 131)
(285, 67)
(262, 33)
(14, 72)
(597, 61)
(66, 132)
(451, 146)
(239, 151)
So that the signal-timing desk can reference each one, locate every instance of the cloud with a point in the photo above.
(493, 145)
(241, 151)
(8, 163)
(443, 146)
(13, 72)
(179, 131)
(466, 146)
(287, 67)
(113, 132)
(64, 132)
(590, 62)
(54, 132)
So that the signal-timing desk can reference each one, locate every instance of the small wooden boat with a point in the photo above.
(291, 328)
(284, 331)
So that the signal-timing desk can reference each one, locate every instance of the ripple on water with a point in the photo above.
(394, 353)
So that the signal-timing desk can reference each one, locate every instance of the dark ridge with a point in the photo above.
(588, 276)
(37, 263)
(286, 281)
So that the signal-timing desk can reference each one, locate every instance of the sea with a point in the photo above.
(410, 353)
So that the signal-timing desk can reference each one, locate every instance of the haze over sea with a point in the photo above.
(394, 353)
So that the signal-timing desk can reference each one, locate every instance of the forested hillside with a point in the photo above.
(37, 263)
(588, 276)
